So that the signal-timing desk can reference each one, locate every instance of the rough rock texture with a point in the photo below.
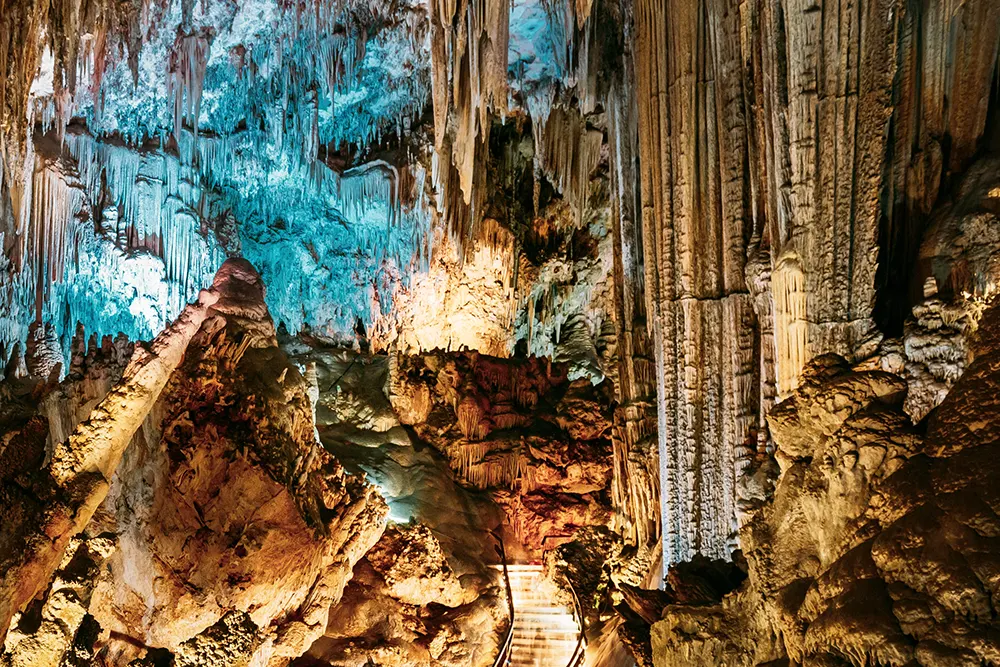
(960, 247)
(227, 524)
(466, 300)
(406, 606)
(636, 482)
(50, 501)
(696, 202)
(957, 269)
(877, 546)
(810, 135)
(585, 564)
(935, 350)
(262, 519)
(427, 593)
(414, 568)
(700, 315)
(45, 632)
(518, 428)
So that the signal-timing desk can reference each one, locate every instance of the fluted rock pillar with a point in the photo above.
(806, 133)
(693, 157)
(636, 481)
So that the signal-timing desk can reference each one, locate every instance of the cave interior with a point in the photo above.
(499, 333)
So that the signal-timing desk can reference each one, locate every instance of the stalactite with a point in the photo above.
(186, 80)
(160, 211)
(469, 48)
(569, 154)
(94, 46)
(146, 259)
(481, 467)
(471, 419)
(374, 182)
(52, 236)
(22, 32)
(759, 282)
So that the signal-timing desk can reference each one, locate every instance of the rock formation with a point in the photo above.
(538, 442)
(407, 606)
(196, 489)
(429, 592)
(785, 150)
(658, 293)
(876, 545)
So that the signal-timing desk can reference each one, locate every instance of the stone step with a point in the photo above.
(545, 632)
(552, 625)
(548, 642)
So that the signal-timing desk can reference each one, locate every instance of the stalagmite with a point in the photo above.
(693, 199)
(791, 322)
(79, 472)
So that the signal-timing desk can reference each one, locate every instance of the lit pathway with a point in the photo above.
(545, 632)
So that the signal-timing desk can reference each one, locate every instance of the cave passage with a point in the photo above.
(521, 333)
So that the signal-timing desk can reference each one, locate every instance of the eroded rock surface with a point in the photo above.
(539, 443)
(427, 593)
(878, 547)
(407, 606)
(226, 532)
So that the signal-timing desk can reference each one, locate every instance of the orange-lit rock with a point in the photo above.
(519, 428)
(878, 544)
(223, 503)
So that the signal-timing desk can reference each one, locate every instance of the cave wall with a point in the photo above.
(788, 150)
(878, 547)
(693, 200)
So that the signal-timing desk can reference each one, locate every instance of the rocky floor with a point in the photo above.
(878, 547)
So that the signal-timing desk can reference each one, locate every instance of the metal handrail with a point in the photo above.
(503, 658)
(581, 649)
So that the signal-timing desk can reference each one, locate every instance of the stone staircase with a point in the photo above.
(545, 632)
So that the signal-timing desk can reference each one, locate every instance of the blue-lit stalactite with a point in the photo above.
(328, 245)
(217, 124)
(221, 121)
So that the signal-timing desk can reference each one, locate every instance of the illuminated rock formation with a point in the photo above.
(876, 546)
(223, 501)
(810, 135)
(670, 291)
(78, 471)
(428, 593)
(539, 443)
(406, 606)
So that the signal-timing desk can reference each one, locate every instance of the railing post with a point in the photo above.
(503, 658)
(581, 649)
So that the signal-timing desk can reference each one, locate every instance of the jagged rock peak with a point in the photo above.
(224, 502)
(241, 290)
